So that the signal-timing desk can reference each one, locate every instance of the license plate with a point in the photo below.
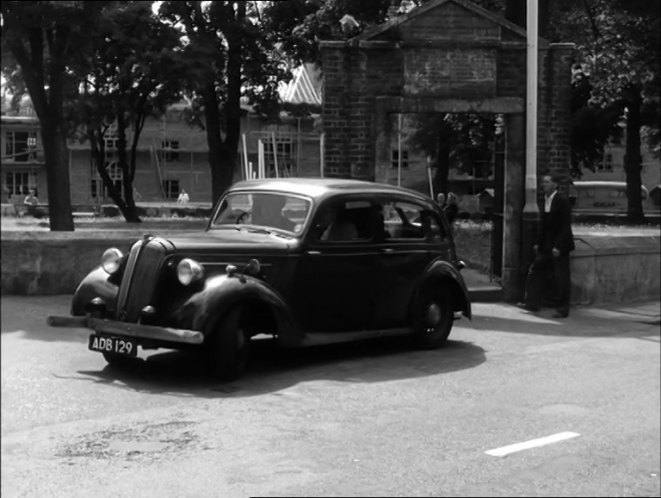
(113, 345)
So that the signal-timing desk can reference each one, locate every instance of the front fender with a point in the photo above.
(443, 270)
(95, 284)
(204, 310)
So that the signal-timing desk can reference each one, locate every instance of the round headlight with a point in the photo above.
(111, 259)
(188, 271)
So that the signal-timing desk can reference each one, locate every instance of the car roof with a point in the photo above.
(318, 188)
(603, 183)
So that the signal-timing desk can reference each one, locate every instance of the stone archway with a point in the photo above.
(446, 56)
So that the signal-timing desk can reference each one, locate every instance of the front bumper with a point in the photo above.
(124, 329)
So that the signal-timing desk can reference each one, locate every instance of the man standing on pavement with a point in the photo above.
(555, 241)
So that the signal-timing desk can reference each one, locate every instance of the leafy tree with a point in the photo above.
(462, 141)
(132, 74)
(618, 47)
(591, 126)
(301, 25)
(41, 41)
(229, 55)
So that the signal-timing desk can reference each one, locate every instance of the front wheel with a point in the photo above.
(229, 350)
(434, 318)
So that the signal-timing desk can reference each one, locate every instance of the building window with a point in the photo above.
(97, 187)
(285, 152)
(20, 182)
(110, 144)
(21, 146)
(607, 163)
(394, 158)
(169, 150)
(171, 189)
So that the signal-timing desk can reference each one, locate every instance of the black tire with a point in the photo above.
(433, 318)
(229, 348)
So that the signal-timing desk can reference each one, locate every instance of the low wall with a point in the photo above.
(608, 269)
(612, 268)
(36, 264)
(605, 268)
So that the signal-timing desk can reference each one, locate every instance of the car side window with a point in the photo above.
(410, 221)
(343, 222)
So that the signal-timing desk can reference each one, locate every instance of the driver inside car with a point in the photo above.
(267, 211)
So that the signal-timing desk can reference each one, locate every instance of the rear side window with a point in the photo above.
(406, 220)
(344, 221)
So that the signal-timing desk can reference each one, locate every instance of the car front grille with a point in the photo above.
(140, 278)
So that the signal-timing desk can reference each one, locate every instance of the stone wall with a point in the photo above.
(46, 265)
(604, 268)
(607, 269)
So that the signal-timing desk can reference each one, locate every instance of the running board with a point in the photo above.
(323, 338)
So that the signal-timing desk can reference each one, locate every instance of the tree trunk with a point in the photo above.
(632, 157)
(214, 140)
(57, 177)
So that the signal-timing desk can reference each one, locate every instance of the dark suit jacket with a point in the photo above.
(555, 227)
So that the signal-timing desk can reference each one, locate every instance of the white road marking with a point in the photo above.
(533, 443)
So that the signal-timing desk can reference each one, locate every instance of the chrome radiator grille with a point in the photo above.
(140, 278)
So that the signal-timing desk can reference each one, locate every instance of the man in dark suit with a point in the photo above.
(555, 241)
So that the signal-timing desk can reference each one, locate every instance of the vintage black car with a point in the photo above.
(305, 261)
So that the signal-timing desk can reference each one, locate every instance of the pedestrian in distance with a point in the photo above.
(451, 208)
(31, 201)
(183, 197)
(554, 242)
(136, 195)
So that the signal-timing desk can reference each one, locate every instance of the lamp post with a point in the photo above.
(530, 209)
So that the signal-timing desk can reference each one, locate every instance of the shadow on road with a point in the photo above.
(272, 369)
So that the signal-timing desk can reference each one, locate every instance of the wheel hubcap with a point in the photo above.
(433, 316)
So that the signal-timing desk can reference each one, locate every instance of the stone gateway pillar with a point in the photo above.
(447, 56)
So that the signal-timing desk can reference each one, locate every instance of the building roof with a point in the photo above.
(421, 11)
(305, 87)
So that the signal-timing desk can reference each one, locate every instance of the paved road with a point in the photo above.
(366, 420)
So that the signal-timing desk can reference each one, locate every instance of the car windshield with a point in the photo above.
(263, 209)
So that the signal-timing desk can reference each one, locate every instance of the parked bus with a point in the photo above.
(601, 197)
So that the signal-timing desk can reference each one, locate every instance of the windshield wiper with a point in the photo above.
(258, 230)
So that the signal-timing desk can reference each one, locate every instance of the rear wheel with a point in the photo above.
(434, 318)
(229, 350)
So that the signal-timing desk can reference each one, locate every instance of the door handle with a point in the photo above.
(387, 250)
(313, 253)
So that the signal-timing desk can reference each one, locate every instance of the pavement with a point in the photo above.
(584, 320)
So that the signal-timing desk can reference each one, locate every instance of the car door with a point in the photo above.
(415, 236)
(334, 290)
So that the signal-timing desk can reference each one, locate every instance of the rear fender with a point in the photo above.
(441, 272)
(205, 310)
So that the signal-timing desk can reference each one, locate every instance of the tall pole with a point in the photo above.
(531, 108)
(530, 209)
(399, 149)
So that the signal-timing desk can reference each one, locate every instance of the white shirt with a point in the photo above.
(548, 200)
